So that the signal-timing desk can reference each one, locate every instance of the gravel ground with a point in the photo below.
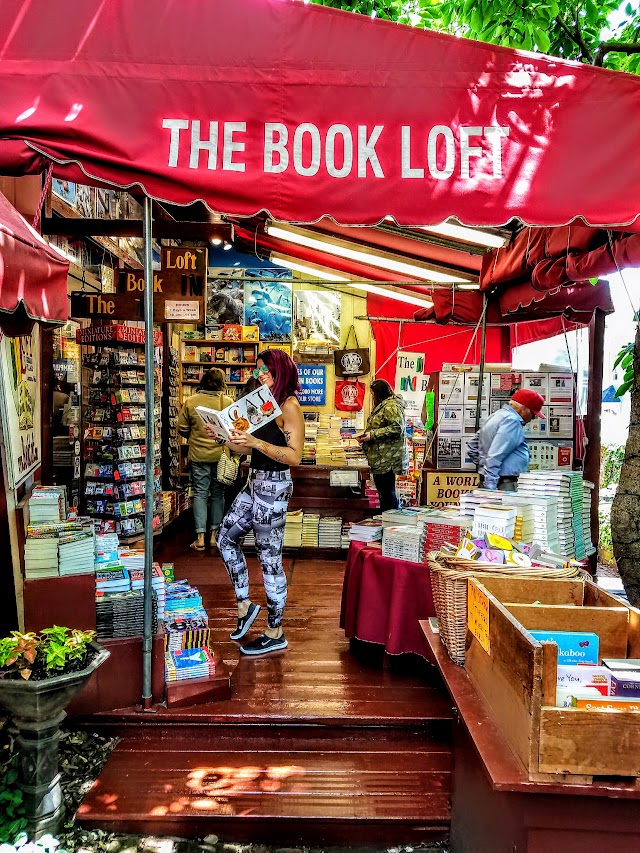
(82, 755)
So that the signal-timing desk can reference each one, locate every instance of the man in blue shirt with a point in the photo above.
(499, 448)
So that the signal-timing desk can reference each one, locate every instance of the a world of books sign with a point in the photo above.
(446, 487)
(20, 404)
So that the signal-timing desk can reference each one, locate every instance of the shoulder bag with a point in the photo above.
(351, 361)
(227, 468)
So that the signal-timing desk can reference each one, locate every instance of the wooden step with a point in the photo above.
(294, 786)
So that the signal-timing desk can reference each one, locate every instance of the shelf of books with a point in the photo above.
(170, 420)
(114, 430)
(234, 353)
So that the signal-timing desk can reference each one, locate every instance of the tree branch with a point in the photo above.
(614, 47)
(575, 37)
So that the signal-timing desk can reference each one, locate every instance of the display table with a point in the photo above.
(383, 601)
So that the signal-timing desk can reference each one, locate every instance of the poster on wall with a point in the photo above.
(313, 382)
(20, 394)
(411, 382)
(316, 316)
(267, 303)
(225, 296)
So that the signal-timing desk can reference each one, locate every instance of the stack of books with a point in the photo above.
(76, 552)
(397, 517)
(566, 488)
(186, 632)
(589, 547)
(443, 527)
(47, 504)
(111, 578)
(405, 542)
(131, 558)
(329, 450)
(310, 440)
(330, 532)
(310, 528)
(470, 501)
(293, 529)
(182, 598)
(371, 493)
(367, 530)
(181, 664)
(525, 526)
(106, 548)
(41, 555)
(121, 614)
(157, 583)
(492, 518)
(344, 534)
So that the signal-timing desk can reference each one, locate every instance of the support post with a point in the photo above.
(147, 636)
(483, 349)
(593, 420)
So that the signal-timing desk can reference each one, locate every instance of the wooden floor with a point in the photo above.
(321, 743)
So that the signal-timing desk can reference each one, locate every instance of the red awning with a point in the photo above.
(33, 276)
(303, 110)
(576, 303)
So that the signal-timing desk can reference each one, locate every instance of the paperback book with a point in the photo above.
(247, 414)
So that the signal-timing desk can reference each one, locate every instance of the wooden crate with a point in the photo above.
(516, 675)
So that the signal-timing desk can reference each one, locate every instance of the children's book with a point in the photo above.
(247, 414)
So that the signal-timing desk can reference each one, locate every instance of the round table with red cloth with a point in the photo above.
(383, 600)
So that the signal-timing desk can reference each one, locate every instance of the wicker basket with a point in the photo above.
(449, 577)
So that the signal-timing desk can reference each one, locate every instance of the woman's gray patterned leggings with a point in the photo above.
(262, 504)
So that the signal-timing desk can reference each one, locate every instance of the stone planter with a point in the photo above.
(37, 709)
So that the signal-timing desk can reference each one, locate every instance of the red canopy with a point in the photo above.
(304, 110)
(33, 276)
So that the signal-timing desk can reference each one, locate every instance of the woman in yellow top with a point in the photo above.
(204, 455)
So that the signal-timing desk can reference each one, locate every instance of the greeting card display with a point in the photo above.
(247, 414)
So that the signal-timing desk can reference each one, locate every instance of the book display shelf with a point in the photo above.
(236, 359)
(172, 440)
(113, 428)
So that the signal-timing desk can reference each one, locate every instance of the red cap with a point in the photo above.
(531, 399)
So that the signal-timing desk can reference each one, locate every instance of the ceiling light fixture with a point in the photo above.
(468, 235)
(328, 275)
(227, 245)
(360, 254)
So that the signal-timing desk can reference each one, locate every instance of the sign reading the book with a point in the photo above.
(313, 381)
(445, 488)
(247, 414)
(20, 397)
(411, 382)
(478, 616)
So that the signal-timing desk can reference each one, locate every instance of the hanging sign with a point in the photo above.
(182, 311)
(411, 382)
(20, 404)
(130, 306)
(478, 616)
(313, 381)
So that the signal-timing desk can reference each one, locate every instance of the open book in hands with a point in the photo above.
(247, 414)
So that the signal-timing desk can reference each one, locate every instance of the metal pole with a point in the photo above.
(147, 638)
(483, 347)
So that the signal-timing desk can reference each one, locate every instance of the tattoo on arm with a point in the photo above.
(287, 435)
(262, 447)
(280, 455)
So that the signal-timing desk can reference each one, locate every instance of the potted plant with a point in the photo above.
(39, 675)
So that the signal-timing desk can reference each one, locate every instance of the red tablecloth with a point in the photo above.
(383, 599)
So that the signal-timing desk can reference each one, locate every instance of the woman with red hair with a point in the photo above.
(262, 503)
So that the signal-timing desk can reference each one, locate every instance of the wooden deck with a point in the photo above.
(321, 743)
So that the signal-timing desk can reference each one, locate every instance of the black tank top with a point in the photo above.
(272, 434)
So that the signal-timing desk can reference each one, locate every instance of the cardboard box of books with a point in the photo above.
(247, 414)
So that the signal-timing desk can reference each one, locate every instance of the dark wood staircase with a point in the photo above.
(325, 743)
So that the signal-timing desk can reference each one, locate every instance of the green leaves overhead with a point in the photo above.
(572, 30)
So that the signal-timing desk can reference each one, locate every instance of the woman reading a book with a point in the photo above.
(262, 503)
(204, 455)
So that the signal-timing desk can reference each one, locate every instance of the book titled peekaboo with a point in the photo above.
(573, 646)
(247, 414)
